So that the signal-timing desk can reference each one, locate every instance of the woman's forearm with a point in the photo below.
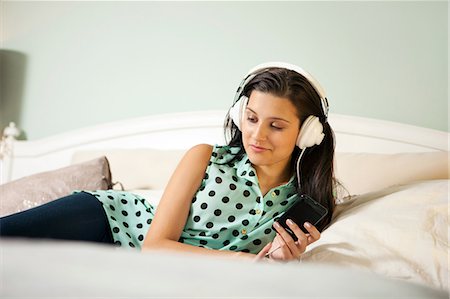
(171, 245)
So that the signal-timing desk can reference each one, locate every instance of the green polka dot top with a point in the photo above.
(228, 211)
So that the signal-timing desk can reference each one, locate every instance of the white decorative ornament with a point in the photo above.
(10, 133)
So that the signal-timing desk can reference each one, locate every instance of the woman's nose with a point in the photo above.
(260, 132)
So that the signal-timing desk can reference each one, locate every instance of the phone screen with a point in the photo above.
(304, 210)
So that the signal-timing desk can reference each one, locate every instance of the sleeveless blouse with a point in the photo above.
(228, 212)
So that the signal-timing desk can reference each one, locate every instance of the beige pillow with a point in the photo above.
(137, 168)
(37, 189)
(361, 173)
(150, 169)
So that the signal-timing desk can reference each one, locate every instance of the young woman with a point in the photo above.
(221, 200)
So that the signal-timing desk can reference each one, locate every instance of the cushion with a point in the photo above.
(361, 173)
(37, 189)
(400, 232)
(137, 168)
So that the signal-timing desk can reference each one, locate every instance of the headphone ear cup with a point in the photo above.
(237, 111)
(311, 133)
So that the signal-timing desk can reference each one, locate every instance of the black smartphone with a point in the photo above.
(304, 210)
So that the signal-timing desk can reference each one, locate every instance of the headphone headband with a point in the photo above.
(261, 67)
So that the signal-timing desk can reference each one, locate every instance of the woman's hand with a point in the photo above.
(288, 249)
(262, 254)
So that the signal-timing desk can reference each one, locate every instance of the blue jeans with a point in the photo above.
(77, 217)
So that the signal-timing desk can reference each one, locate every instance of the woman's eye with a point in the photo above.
(251, 119)
(274, 126)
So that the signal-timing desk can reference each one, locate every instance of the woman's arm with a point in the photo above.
(172, 211)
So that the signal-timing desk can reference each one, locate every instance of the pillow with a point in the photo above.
(361, 173)
(400, 232)
(37, 189)
(137, 168)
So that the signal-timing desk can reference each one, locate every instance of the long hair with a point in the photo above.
(316, 167)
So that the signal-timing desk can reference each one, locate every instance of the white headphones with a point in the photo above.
(311, 131)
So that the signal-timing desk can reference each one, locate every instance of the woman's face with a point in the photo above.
(270, 127)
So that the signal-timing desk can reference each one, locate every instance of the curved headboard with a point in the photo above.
(183, 130)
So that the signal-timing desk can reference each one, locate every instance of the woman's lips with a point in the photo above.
(257, 149)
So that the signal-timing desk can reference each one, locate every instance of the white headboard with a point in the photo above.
(183, 130)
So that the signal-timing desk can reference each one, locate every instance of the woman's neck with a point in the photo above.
(272, 176)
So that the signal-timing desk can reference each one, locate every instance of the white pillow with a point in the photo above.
(400, 232)
(358, 172)
(137, 168)
(365, 172)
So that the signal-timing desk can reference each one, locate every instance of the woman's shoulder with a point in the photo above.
(202, 148)
(199, 152)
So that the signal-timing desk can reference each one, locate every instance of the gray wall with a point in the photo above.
(66, 65)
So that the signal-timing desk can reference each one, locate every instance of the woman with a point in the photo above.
(221, 200)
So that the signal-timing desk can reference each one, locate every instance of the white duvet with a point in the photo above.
(399, 232)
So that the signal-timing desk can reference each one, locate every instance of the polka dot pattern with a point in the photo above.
(228, 211)
(129, 216)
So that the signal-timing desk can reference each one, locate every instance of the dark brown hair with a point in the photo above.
(316, 166)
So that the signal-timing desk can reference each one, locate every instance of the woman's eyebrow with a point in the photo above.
(274, 118)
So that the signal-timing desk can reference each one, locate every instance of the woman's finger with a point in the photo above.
(287, 240)
(302, 238)
(285, 254)
(314, 233)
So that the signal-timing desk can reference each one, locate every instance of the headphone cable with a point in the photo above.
(298, 169)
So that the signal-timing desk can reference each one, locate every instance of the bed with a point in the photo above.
(388, 237)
